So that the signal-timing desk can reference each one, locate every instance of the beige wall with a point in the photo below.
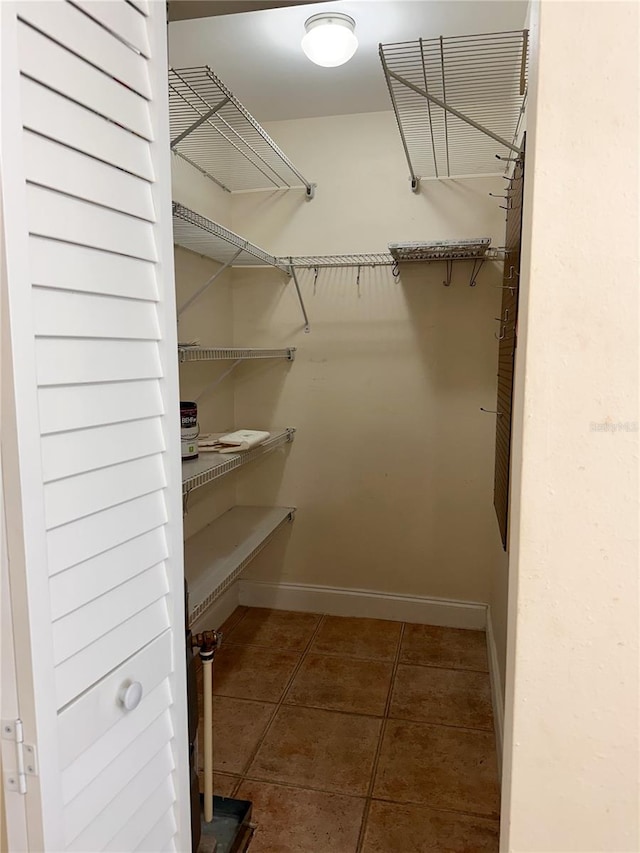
(392, 467)
(571, 736)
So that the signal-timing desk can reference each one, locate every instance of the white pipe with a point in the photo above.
(207, 682)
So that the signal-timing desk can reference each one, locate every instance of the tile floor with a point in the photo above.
(356, 735)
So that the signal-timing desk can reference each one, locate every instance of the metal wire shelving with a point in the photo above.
(199, 234)
(375, 259)
(193, 353)
(215, 557)
(213, 131)
(193, 231)
(458, 101)
(211, 466)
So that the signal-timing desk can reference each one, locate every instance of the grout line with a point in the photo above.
(441, 666)
(277, 707)
(430, 807)
(441, 725)
(251, 777)
(383, 727)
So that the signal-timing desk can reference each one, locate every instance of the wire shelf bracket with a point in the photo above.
(439, 84)
(212, 131)
(195, 232)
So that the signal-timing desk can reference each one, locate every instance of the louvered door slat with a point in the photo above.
(88, 493)
(160, 836)
(69, 453)
(60, 168)
(69, 362)
(95, 713)
(89, 665)
(71, 267)
(76, 31)
(95, 759)
(63, 313)
(154, 820)
(89, 580)
(121, 19)
(71, 544)
(80, 406)
(72, 124)
(90, 423)
(102, 828)
(88, 623)
(46, 62)
(61, 217)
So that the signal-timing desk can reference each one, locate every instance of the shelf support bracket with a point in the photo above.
(199, 121)
(208, 282)
(453, 111)
(292, 271)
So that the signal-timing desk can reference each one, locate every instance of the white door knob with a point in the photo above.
(130, 695)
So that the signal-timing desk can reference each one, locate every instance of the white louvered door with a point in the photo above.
(90, 430)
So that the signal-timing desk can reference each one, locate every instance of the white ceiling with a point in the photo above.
(258, 54)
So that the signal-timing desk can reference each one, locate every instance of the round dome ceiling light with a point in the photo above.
(330, 39)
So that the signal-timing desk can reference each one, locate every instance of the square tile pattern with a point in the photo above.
(356, 735)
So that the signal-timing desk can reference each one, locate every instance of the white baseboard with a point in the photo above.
(336, 601)
(220, 610)
(497, 697)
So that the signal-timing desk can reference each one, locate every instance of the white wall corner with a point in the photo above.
(337, 601)
(497, 695)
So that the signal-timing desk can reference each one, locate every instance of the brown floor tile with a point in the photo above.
(237, 727)
(277, 629)
(394, 828)
(361, 638)
(231, 621)
(223, 783)
(438, 766)
(451, 697)
(342, 684)
(251, 672)
(452, 648)
(319, 749)
(292, 820)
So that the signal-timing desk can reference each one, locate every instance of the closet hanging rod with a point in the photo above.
(215, 133)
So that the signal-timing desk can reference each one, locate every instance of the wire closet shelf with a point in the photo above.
(458, 101)
(213, 131)
(195, 232)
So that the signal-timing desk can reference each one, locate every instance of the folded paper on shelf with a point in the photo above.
(233, 442)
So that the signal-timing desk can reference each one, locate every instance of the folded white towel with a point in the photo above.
(233, 442)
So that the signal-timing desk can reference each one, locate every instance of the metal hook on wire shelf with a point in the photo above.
(447, 281)
(512, 270)
(395, 270)
(501, 337)
(504, 319)
(477, 266)
(358, 280)
(315, 279)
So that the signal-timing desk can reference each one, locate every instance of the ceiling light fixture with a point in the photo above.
(330, 39)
